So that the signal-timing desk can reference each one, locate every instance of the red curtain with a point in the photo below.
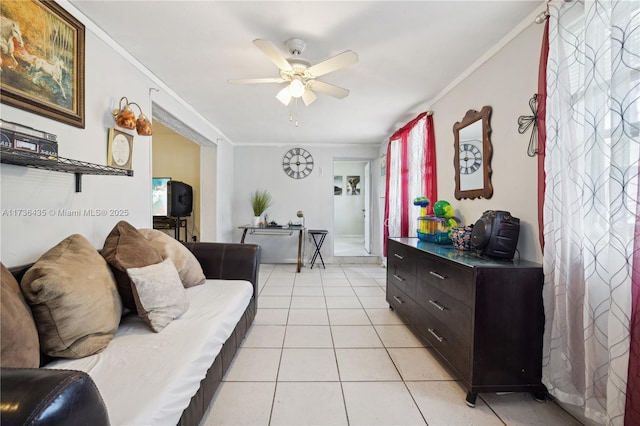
(430, 179)
(542, 129)
(430, 176)
(632, 406)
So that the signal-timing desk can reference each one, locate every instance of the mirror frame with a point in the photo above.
(487, 150)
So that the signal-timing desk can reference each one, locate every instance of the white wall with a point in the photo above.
(506, 82)
(347, 209)
(24, 239)
(261, 168)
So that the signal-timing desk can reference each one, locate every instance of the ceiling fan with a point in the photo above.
(299, 73)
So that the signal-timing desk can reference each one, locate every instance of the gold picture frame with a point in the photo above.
(43, 60)
(119, 149)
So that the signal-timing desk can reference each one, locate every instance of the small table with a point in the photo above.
(322, 233)
(276, 230)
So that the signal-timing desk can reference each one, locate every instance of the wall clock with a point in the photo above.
(120, 149)
(470, 158)
(297, 163)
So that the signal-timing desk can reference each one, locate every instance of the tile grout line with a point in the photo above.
(335, 354)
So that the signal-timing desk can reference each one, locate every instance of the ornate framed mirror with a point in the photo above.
(472, 157)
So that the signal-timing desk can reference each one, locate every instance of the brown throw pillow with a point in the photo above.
(73, 298)
(20, 345)
(160, 296)
(126, 248)
(185, 262)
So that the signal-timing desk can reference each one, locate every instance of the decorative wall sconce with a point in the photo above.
(125, 117)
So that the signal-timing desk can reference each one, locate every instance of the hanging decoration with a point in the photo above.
(526, 121)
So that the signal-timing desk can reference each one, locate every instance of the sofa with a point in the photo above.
(134, 361)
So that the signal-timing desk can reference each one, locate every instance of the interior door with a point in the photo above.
(367, 207)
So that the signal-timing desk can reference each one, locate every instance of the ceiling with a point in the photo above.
(408, 53)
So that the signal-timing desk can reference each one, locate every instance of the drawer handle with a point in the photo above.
(434, 334)
(398, 277)
(397, 299)
(437, 305)
(437, 275)
(398, 256)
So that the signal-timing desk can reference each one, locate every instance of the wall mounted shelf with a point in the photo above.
(64, 165)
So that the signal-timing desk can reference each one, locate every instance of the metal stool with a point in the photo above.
(322, 233)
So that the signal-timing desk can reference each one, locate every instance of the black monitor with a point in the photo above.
(180, 199)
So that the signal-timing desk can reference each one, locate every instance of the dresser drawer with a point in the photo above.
(456, 352)
(454, 314)
(403, 279)
(455, 281)
(402, 257)
(400, 302)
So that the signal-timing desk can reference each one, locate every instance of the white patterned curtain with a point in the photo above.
(591, 197)
(395, 187)
(417, 170)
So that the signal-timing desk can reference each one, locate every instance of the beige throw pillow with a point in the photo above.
(19, 336)
(185, 262)
(126, 248)
(159, 294)
(74, 299)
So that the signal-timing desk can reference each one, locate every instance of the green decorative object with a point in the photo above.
(423, 202)
(440, 207)
(260, 201)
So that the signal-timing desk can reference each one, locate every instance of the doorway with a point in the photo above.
(351, 208)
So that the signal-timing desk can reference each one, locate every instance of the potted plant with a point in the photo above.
(260, 201)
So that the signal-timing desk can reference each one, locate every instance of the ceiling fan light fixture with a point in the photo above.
(284, 96)
(296, 88)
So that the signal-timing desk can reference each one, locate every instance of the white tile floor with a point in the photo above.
(349, 246)
(326, 350)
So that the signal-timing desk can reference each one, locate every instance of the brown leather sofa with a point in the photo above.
(55, 397)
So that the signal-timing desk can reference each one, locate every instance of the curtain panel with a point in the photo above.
(411, 172)
(591, 165)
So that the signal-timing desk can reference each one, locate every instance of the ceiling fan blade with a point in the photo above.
(284, 96)
(328, 89)
(257, 80)
(273, 54)
(308, 97)
(334, 63)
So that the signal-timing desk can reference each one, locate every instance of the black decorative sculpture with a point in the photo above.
(526, 121)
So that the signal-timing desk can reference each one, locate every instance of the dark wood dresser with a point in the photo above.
(482, 317)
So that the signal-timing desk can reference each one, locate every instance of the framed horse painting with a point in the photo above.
(42, 60)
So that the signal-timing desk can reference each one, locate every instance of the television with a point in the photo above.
(179, 199)
(160, 206)
(496, 234)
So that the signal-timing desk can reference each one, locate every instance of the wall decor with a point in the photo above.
(297, 163)
(337, 185)
(42, 60)
(120, 149)
(526, 121)
(472, 155)
(353, 185)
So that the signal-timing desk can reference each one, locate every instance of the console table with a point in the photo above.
(483, 318)
(276, 230)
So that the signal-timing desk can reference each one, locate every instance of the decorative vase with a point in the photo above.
(256, 221)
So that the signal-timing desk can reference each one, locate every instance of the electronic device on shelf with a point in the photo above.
(496, 234)
(159, 207)
(171, 198)
(179, 199)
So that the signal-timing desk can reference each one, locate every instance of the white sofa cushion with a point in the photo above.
(148, 378)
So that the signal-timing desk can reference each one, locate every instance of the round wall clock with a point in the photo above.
(470, 158)
(297, 163)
